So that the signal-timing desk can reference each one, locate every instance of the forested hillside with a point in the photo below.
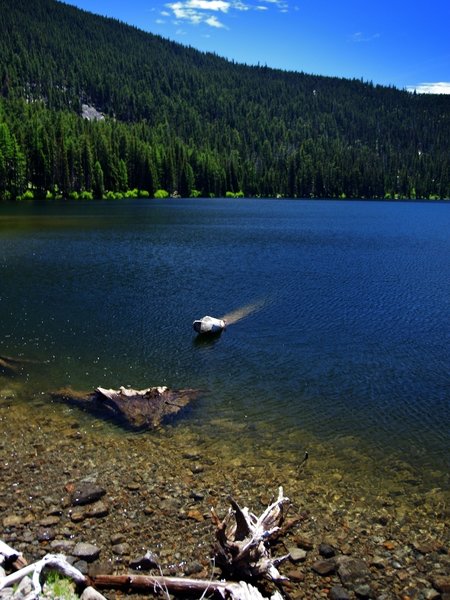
(179, 119)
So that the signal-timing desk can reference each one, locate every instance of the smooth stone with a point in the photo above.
(352, 570)
(13, 521)
(121, 549)
(363, 591)
(45, 535)
(87, 493)
(339, 593)
(295, 576)
(91, 593)
(326, 550)
(192, 568)
(117, 538)
(86, 551)
(82, 566)
(97, 510)
(196, 515)
(196, 495)
(146, 562)
(77, 515)
(296, 554)
(62, 546)
(324, 567)
(304, 542)
(49, 521)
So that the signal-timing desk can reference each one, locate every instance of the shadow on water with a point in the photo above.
(206, 340)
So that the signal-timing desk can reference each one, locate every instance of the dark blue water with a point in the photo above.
(349, 336)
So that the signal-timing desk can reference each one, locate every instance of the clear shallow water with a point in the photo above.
(349, 341)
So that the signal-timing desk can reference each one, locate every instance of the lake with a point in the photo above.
(339, 317)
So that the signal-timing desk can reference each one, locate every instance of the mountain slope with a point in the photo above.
(180, 119)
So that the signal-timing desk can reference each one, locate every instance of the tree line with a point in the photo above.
(179, 120)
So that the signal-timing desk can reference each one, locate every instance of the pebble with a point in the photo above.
(352, 569)
(324, 567)
(97, 510)
(149, 497)
(86, 493)
(121, 549)
(86, 551)
(91, 593)
(296, 554)
(339, 593)
(144, 563)
(326, 550)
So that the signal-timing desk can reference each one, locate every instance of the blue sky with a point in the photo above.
(388, 42)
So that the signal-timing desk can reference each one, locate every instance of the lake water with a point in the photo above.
(343, 338)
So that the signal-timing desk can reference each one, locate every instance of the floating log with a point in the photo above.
(243, 545)
(135, 409)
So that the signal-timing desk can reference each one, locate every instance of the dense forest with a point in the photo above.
(91, 107)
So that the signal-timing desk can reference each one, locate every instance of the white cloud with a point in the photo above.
(196, 12)
(214, 22)
(215, 5)
(438, 87)
(359, 36)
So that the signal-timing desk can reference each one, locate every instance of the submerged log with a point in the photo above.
(135, 409)
(9, 365)
(243, 546)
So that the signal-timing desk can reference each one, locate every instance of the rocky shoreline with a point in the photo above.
(113, 503)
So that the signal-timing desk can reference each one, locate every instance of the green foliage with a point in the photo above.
(195, 194)
(57, 586)
(239, 194)
(161, 194)
(27, 195)
(179, 119)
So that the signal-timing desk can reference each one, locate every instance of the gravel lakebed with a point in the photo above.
(106, 499)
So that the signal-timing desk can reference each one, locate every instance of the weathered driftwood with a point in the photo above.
(137, 409)
(243, 546)
(243, 552)
(55, 562)
(11, 556)
(231, 590)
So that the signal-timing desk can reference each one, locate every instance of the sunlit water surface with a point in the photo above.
(338, 312)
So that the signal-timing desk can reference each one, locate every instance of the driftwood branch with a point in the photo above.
(180, 585)
(243, 551)
(9, 555)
